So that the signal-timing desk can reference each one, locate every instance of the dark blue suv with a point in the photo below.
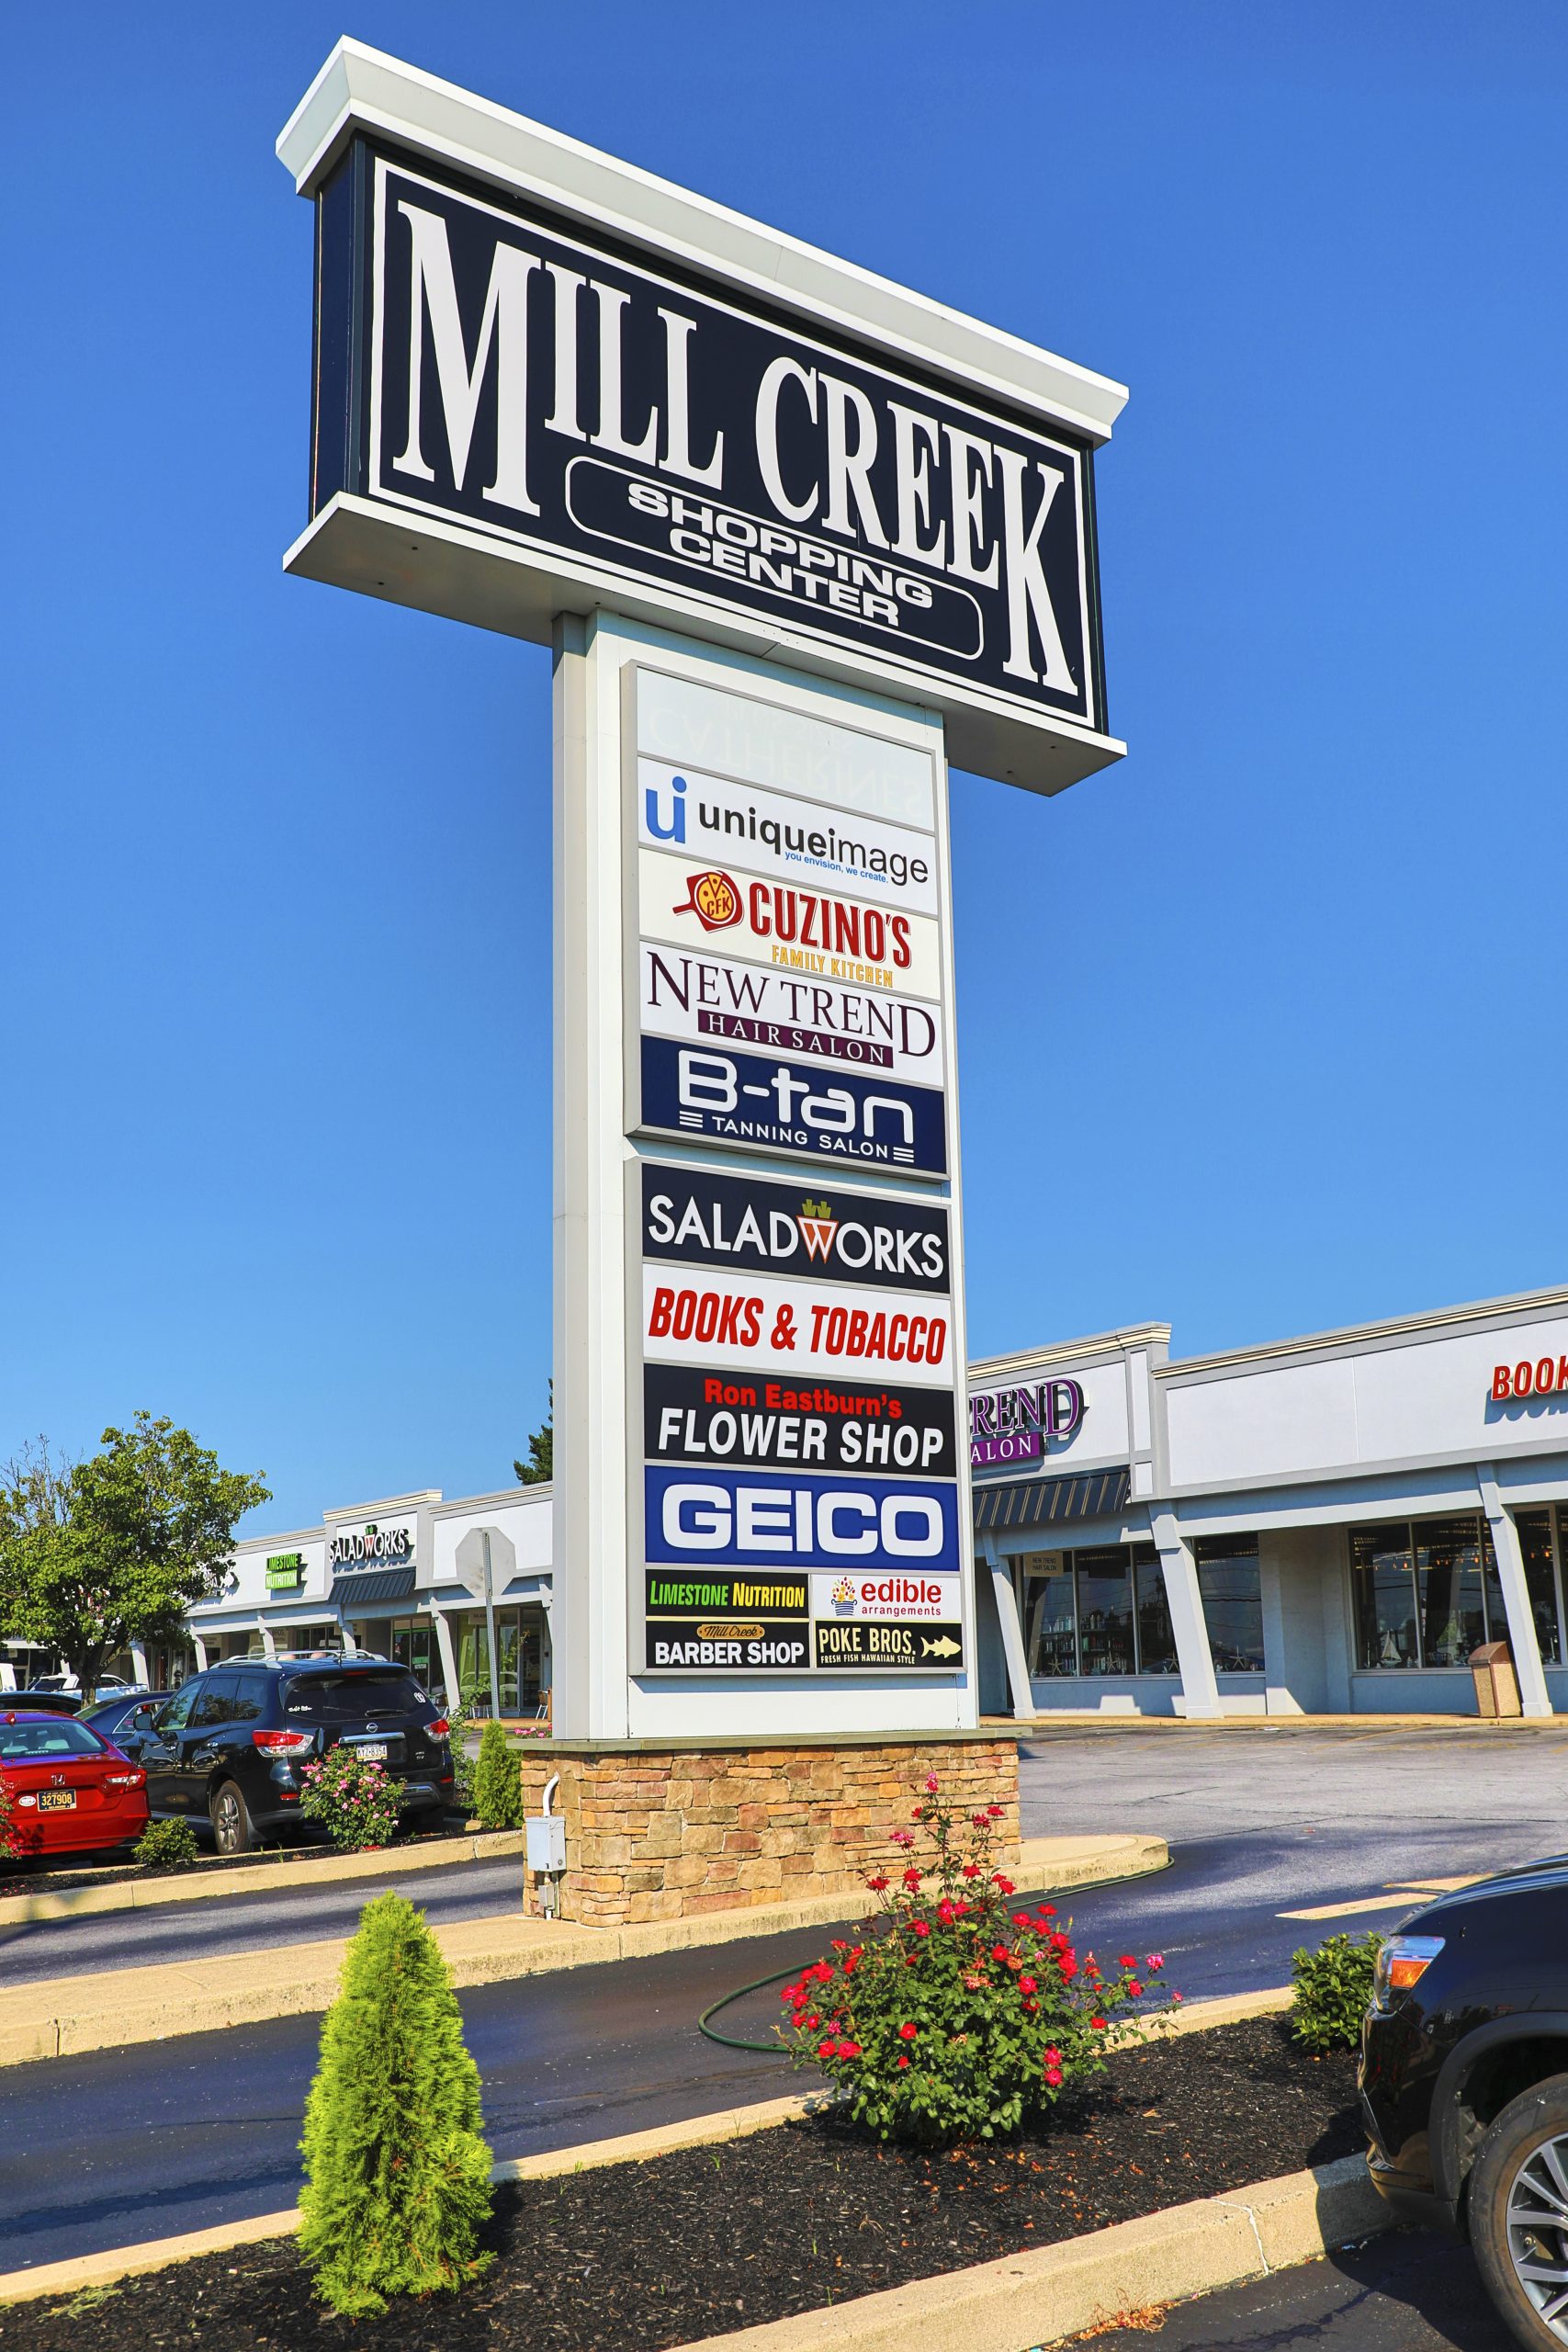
(231, 1746)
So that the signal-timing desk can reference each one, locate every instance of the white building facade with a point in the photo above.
(405, 1578)
(1324, 1525)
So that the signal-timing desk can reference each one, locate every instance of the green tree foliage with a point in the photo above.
(95, 1554)
(497, 1783)
(397, 2173)
(540, 1466)
(1334, 1991)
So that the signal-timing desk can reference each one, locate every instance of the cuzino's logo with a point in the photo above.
(713, 900)
(817, 1226)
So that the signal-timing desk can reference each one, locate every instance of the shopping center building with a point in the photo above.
(1323, 1525)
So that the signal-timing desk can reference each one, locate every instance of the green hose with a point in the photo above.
(760, 1984)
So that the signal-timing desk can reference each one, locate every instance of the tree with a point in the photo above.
(497, 1783)
(396, 2174)
(95, 1554)
(540, 1466)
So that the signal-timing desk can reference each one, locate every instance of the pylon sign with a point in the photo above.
(797, 536)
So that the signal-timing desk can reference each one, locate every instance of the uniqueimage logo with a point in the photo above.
(713, 900)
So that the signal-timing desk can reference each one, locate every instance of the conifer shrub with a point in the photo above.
(167, 1845)
(497, 1783)
(397, 2188)
(1334, 1991)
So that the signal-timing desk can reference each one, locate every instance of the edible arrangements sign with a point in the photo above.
(799, 1413)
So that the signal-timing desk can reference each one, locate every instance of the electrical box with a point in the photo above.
(546, 1838)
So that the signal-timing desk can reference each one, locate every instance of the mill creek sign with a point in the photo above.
(798, 538)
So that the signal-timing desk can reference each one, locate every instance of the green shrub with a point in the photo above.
(497, 1783)
(352, 1798)
(167, 1845)
(460, 1718)
(957, 2018)
(1334, 1989)
(397, 2186)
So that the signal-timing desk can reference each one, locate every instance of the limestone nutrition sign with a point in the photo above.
(798, 538)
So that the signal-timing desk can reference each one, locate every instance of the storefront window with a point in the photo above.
(1384, 1579)
(1105, 1611)
(1448, 1589)
(1156, 1642)
(1541, 1579)
(1429, 1593)
(1050, 1624)
(1233, 1601)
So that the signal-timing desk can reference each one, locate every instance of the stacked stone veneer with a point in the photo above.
(660, 1833)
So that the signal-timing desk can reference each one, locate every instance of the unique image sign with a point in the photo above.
(480, 363)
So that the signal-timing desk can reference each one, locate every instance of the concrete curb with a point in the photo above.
(62, 2017)
(252, 1878)
(1029, 2300)
(630, 2147)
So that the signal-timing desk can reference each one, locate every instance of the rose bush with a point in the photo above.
(960, 2015)
(352, 1798)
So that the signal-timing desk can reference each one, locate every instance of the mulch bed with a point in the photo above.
(640, 2258)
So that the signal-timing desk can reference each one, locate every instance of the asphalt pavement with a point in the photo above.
(121, 2145)
(1408, 2292)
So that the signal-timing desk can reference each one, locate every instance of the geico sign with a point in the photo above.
(1546, 1376)
(844, 1522)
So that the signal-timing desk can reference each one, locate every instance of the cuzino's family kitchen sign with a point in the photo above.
(480, 362)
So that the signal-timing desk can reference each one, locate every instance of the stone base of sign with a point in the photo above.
(665, 1831)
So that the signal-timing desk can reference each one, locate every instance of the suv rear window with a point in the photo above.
(344, 1698)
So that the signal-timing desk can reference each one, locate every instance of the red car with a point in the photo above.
(70, 1791)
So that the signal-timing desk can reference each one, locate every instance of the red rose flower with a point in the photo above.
(920, 1928)
(878, 1883)
(1027, 1985)
(1127, 1960)
(907, 2032)
(903, 2062)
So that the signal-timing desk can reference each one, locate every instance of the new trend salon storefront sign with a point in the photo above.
(612, 425)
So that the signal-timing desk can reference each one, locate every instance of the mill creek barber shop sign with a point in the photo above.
(479, 364)
(1015, 1424)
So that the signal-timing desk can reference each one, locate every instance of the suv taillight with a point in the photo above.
(284, 1743)
(439, 1729)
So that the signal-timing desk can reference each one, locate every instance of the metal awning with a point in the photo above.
(1049, 1502)
(371, 1589)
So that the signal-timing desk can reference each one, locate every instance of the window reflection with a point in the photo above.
(1231, 1591)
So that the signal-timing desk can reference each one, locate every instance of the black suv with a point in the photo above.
(1465, 2084)
(231, 1746)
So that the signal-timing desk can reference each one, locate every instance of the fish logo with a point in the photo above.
(943, 1647)
(817, 1226)
(713, 900)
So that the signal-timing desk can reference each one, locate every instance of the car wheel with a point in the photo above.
(1518, 2213)
(230, 1815)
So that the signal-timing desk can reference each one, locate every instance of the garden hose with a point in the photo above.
(760, 1984)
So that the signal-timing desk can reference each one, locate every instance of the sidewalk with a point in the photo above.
(114, 2007)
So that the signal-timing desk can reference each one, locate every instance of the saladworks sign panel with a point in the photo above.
(702, 1216)
(477, 362)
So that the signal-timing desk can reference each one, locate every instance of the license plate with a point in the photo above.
(374, 1750)
(57, 1801)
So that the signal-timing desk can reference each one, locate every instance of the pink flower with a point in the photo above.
(945, 1913)
(1054, 2078)
(1176, 1997)
(902, 1838)
(1155, 1962)
(931, 1784)
(907, 2032)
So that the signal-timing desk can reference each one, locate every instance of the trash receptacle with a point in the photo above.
(1496, 1685)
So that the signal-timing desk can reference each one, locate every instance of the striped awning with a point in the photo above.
(1049, 1502)
(365, 1589)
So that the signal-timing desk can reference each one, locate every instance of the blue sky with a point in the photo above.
(1260, 1032)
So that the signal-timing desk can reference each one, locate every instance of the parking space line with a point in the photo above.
(1393, 1898)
